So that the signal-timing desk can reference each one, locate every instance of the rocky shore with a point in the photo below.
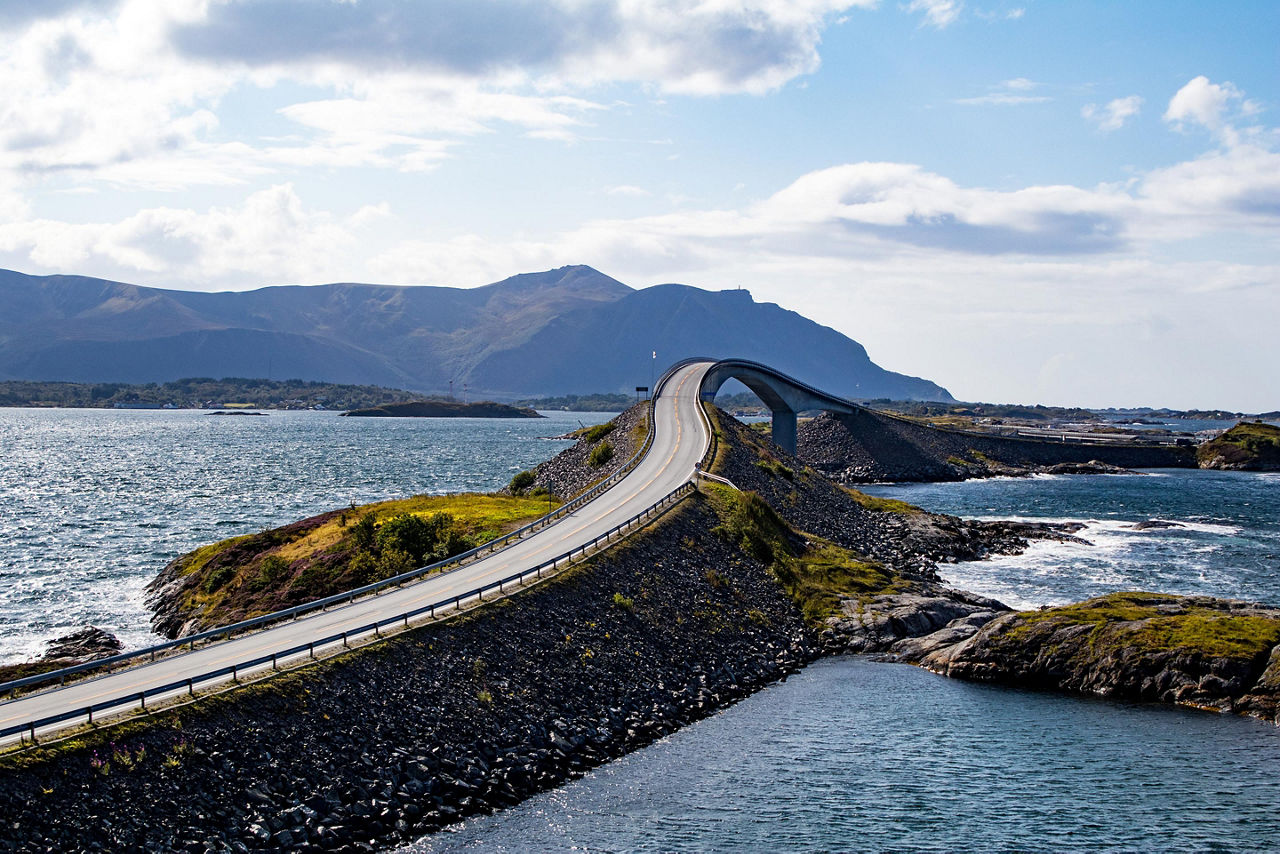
(870, 447)
(571, 471)
(441, 722)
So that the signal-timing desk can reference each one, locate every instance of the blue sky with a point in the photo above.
(1072, 203)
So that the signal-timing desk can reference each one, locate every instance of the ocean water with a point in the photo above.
(849, 755)
(855, 755)
(93, 502)
(1227, 542)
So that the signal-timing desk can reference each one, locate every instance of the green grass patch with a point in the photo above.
(1247, 443)
(881, 505)
(816, 574)
(1160, 623)
(344, 549)
(599, 431)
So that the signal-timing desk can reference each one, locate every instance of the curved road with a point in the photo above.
(679, 442)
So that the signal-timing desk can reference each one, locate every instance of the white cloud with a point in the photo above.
(937, 13)
(132, 92)
(1114, 114)
(1010, 93)
(627, 190)
(271, 236)
(1201, 102)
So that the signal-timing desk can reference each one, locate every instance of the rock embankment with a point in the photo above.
(907, 539)
(870, 447)
(436, 724)
(572, 471)
(1192, 650)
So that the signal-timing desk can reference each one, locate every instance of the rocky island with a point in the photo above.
(1248, 446)
(445, 409)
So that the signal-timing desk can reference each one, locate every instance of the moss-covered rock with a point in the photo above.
(1248, 446)
(245, 576)
(1192, 650)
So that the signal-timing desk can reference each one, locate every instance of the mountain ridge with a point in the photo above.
(570, 330)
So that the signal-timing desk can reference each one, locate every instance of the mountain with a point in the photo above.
(572, 330)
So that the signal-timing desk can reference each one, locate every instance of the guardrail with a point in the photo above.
(447, 603)
(447, 565)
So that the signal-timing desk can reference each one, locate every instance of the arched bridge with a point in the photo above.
(785, 396)
(655, 478)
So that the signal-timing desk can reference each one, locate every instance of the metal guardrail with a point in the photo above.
(449, 564)
(447, 603)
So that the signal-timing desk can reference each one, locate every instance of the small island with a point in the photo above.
(445, 409)
(1248, 446)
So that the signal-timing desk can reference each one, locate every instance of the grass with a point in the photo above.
(1137, 621)
(881, 505)
(1247, 442)
(815, 573)
(598, 432)
(258, 573)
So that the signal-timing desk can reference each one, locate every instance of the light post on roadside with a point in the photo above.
(653, 364)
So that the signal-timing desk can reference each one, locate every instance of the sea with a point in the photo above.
(848, 755)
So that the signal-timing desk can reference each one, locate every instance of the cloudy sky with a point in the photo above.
(1032, 201)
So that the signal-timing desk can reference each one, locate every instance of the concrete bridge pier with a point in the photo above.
(784, 429)
(784, 396)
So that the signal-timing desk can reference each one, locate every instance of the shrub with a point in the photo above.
(521, 482)
(600, 454)
(393, 562)
(218, 578)
(598, 432)
(413, 535)
(626, 603)
(363, 569)
(363, 533)
(271, 572)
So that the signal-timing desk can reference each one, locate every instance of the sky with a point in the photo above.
(1072, 203)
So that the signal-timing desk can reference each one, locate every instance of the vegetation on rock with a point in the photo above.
(327, 554)
(1250, 445)
(600, 455)
(815, 573)
(200, 392)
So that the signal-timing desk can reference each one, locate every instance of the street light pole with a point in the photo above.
(653, 364)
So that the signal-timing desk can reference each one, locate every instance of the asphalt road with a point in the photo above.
(680, 439)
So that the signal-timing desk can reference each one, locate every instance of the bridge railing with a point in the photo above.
(447, 565)
(446, 603)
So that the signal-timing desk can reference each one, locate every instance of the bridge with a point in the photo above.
(659, 476)
(785, 396)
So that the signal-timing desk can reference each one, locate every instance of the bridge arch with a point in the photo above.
(785, 396)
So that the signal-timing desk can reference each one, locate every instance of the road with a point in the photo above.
(679, 442)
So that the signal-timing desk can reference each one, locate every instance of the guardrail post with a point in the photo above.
(191, 688)
(90, 715)
(33, 734)
(311, 648)
(235, 673)
(273, 662)
(142, 700)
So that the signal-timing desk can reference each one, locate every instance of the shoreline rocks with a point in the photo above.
(870, 447)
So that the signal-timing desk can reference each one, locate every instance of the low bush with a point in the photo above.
(600, 454)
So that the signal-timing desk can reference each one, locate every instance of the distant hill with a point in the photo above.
(572, 330)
